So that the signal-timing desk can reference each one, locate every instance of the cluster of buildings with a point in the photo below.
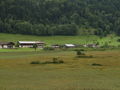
(22, 44)
(75, 46)
(29, 44)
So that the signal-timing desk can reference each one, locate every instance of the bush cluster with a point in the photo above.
(96, 64)
(54, 61)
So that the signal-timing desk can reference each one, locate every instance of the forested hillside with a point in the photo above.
(60, 17)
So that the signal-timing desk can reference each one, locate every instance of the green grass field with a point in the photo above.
(111, 40)
(16, 72)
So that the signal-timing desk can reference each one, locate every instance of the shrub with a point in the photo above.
(61, 61)
(48, 48)
(35, 46)
(118, 45)
(54, 61)
(35, 62)
(95, 64)
(57, 61)
(118, 40)
(80, 52)
(106, 45)
(84, 56)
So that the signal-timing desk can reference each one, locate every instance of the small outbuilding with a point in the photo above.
(55, 46)
(69, 45)
(7, 44)
(29, 44)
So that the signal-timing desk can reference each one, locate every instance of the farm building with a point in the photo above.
(29, 44)
(69, 46)
(7, 45)
(78, 45)
(55, 46)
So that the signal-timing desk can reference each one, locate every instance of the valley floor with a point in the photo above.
(16, 72)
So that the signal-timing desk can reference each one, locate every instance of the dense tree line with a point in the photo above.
(60, 17)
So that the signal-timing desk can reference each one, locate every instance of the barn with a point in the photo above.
(29, 44)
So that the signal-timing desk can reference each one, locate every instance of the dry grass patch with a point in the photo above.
(16, 71)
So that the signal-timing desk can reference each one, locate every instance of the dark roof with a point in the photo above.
(56, 45)
(7, 43)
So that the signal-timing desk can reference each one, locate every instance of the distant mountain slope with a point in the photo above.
(60, 17)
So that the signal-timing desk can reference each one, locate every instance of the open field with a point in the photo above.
(20, 50)
(16, 72)
(111, 40)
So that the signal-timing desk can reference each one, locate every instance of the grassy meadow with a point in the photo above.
(111, 39)
(16, 72)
